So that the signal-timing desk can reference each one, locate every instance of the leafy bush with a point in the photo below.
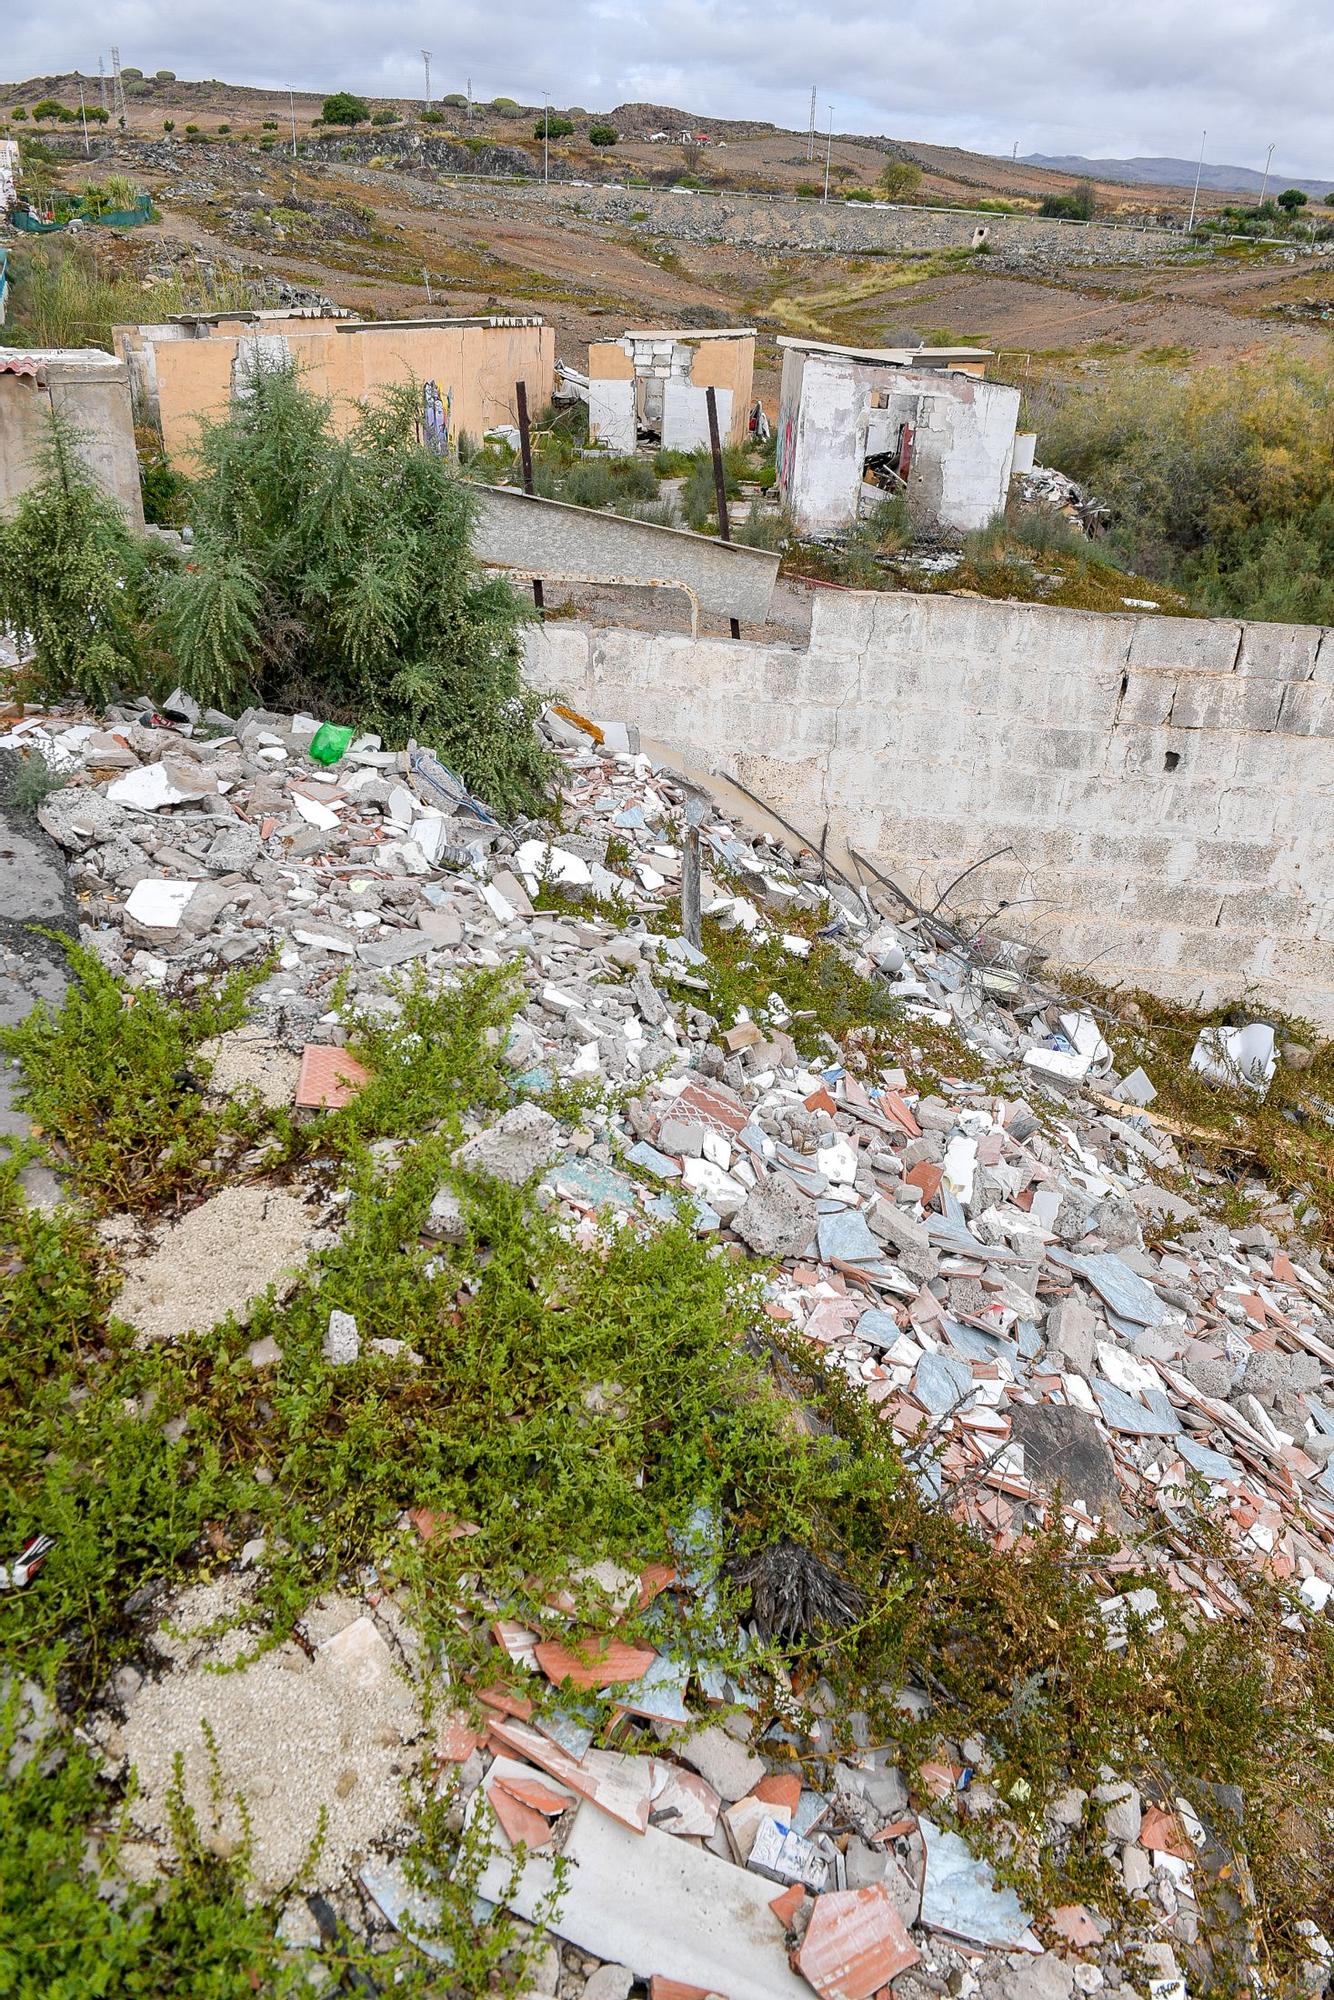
(602, 135)
(169, 124)
(96, 115)
(192, 131)
(19, 112)
(900, 179)
(47, 107)
(223, 130)
(504, 104)
(163, 75)
(1291, 200)
(385, 118)
(75, 583)
(338, 572)
(1218, 483)
(553, 128)
(432, 117)
(345, 109)
(455, 98)
(1076, 206)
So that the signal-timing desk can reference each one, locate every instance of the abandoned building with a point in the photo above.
(91, 390)
(856, 424)
(650, 387)
(194, 364)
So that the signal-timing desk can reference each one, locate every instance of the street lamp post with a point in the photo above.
(291, 108)
(1196, 195)
(1264, 183)
(546, 137)
(828, 151)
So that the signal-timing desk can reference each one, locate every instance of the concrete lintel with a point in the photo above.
(538, 537)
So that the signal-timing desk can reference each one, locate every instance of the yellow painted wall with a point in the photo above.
(478, 364)
(728, 364)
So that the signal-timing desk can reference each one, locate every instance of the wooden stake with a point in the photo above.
(526, 451)
(719, 481)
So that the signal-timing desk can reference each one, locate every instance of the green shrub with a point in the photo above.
(163, 75)
(75, 582)
(131, 75)
(1219, 483)
(47, 108)
(1079, 205)
(338, 571)
(454, 98)
(553, 128)
(345, 109)
(19, 113)
(504, 104)
(432, 117)
(385, 118)
(602, 135)
(223, 130)
(169, 124)
(900, 179)
(96, 115)
(192, 131)
(269, 125)
(1291, 200)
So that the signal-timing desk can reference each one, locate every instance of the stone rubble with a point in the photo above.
(973, 1260)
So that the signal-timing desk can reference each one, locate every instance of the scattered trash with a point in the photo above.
(18, 1574)
(1242, 1058)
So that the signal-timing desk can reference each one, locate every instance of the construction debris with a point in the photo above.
(970, 1259)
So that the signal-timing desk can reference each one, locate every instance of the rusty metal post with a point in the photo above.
(719, 483)
(526, 452)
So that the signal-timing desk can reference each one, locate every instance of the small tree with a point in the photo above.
(602, 135)
(47, 107)
(1291, 200)
(75, 582)
(20, 113)
(97, 116)
(900, 179)
(345, 109)
(1329, 198)
(553, 128)
(692, 153)
(338, 571)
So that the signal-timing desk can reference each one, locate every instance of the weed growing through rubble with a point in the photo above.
(1282, 1143)
(825, 998)
(115, 1081)
(560, 1401)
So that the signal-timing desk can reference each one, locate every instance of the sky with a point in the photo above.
(1142, 77)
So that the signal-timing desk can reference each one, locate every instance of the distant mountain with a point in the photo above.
(1177, 173)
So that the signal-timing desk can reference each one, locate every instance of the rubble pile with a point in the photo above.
(972, 1257)
(1046, 488)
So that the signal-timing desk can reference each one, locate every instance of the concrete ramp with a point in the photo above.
(550, 538)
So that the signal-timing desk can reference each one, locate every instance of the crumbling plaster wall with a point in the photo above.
(1165, 786)
(92, 390)
(963, 444)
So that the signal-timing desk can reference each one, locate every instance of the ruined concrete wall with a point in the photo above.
(479, 364)
(1166, 786)
(92, 390)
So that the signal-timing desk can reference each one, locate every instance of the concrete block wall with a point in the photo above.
(1165, 787)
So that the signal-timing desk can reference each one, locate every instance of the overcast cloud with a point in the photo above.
(1144, 76)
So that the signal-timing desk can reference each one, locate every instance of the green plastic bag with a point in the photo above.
(329, 742)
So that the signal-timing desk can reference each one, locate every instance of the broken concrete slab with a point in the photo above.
(515, 1148)
(660, 1906)
(1065, 1447)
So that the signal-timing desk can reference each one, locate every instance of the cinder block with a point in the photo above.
(1190, 645)
(1171, 902)
(1307, 711)
(1227, 861)
(1203, 702)
(1267, 912)
(1279, 652)
(1147, 699)
(557, 657)
(841, 621)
